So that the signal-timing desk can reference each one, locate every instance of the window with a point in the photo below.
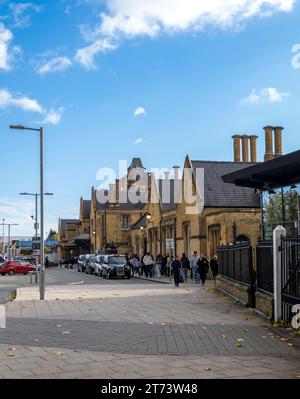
(125, 222)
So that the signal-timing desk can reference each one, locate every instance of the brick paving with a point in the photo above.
(136, 329)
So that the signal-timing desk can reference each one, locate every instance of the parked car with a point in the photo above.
(26, 259)
(14, 266)
(99, 264)
(91, 264)
(115, 266)
(81, 263)
(84, 262)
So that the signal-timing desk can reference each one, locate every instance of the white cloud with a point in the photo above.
(20, 211)
(138, 141)
(19, 10)
(143, 17)
(266, 95)
(56, 64)
(7, 99)
(53, 116)
(6, 37)
(139, 111)
(86, 55)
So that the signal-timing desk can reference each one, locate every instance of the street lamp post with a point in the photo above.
(36, 195)
(3, 220)
(9, 248)
(42, 270)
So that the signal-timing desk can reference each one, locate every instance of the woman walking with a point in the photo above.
(203, 268)
(214, 267)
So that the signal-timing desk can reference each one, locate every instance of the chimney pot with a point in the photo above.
(245, 147)
(269, 143)
(278, 140)
(237, 148)
(253, 148)
(176, 172)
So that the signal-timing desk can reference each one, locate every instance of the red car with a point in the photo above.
(12, 267)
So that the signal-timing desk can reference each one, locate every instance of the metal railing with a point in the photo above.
(264, 266)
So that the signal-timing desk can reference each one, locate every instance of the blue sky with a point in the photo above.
(197, 72)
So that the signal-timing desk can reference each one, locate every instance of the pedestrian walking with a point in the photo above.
(185, 266)
(158, 265)
(214, 266)
(203, 268)
(176, 268)
(136, 265)
(148, 262)
(194, 267)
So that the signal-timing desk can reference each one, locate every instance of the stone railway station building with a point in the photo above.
(164, 223)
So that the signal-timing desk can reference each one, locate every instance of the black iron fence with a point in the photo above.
(264, 266)
(236, 263)
(290, 276)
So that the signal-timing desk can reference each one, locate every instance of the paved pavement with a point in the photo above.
(89, 327)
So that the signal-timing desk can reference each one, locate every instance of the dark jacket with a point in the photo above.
(203, 266)
(214, 267)
(176, 265)
(185, 262)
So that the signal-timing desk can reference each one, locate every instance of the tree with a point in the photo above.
(52, 236)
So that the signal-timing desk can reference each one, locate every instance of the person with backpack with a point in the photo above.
(203, 268)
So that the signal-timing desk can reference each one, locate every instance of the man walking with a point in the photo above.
(148, 262)
(194, 267)
(176, 267)
(185, 266)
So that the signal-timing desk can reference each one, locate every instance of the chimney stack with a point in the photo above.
(237, 148)
(253, 148)
(167, 175)
(269, 143)
(118, 191)
(245, 148)
(278, 140)
(176, 172)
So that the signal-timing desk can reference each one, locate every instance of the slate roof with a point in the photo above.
(86, 209)
(142, 222)
(219, 194)
(136, 163)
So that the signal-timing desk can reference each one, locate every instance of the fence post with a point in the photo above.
(278, 233)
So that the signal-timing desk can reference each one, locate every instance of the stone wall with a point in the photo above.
(264, 304)
(240, 292)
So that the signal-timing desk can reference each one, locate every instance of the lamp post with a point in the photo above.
(3, 220)
(36, 195)
(42, 270)
(9, 226)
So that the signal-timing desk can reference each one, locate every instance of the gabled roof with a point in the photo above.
(136, 163)
(219, 194)
(142, 222)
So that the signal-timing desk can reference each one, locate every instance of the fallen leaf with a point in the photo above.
(66, 332)
(264, 337)
(207, 369)
(290, 344)
(58, 353)
(36, 340)
(224, 336)
(58, 325)
(11, 353)
(283, 339)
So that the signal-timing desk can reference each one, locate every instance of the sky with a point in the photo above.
(159, 79)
